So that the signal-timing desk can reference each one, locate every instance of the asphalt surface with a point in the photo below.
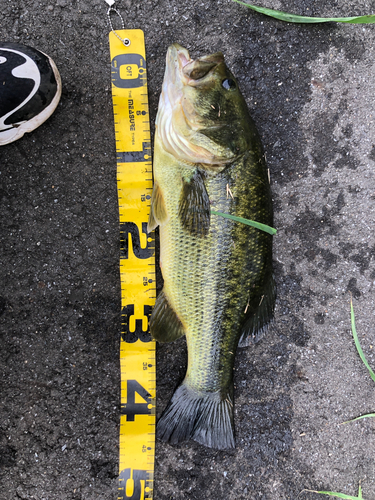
(310, 90)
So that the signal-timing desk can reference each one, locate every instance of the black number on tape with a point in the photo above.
(131, 229)
(131, 408)
(139, 333)
(132, 484)
(128, 71)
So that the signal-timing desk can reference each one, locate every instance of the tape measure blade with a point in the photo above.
(137, 265)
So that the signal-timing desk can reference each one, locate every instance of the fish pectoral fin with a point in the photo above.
(165, 325)
(158, 213)
(194, 209)
(259, 315)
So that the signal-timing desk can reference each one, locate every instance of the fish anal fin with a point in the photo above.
(158, 213)
(259, 315)
(165, 325)
(194, 209)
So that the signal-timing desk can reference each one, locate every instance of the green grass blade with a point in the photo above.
(293, 18)
(339, 495)
(359, 418)
(357, 344)
(258, 225)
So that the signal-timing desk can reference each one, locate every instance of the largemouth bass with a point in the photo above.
(218, 282)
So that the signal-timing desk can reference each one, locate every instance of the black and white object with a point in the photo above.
(30, 90)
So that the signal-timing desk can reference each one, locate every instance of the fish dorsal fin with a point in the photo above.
(165, 326)
(158, 213)
(259, 315)
(194, 210)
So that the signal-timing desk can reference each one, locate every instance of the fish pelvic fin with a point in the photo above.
(165, 325)
(194, 209)
(202, 416)
(158, 212)
(259, 316)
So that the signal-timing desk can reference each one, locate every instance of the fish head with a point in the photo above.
(202, 116)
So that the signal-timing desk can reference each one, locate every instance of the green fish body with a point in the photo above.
(218, 282)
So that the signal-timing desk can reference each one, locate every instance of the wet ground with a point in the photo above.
(311, 92)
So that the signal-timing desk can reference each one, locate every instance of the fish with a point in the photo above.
(219, 290)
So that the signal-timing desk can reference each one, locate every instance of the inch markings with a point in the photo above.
(137, 266)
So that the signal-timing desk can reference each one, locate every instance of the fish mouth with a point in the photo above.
(191, 70)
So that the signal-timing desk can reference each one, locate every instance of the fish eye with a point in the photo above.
(228, 84)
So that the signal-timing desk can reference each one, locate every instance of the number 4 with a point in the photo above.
(131, 408)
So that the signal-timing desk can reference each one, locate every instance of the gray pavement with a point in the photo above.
(310, 90)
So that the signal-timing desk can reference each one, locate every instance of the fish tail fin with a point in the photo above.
(205, 417)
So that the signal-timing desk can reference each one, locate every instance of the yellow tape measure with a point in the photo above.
(137, 265)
